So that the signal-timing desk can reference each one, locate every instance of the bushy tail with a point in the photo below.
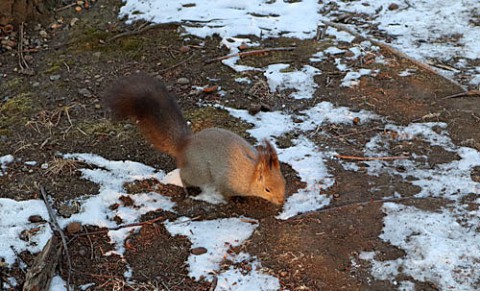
(147, 101)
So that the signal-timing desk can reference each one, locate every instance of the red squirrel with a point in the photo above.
(212, 157)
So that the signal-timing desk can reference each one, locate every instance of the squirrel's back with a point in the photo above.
(146, 100)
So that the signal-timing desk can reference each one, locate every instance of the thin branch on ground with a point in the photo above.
(101, 231)
(57, 228)
(358, 132)
(357, 158)
(250, 53)
(370, 202)
(141, 30)
(66, 6)
(177, 64)
(24, 67)
(472, 93)
(393, 51)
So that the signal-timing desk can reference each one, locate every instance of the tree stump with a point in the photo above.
(18, 11)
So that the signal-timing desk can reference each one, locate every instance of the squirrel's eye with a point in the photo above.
(268, 190)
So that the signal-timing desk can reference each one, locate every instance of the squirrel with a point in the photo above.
(212, 157)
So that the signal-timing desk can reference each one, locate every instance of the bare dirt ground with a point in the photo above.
(58, 109)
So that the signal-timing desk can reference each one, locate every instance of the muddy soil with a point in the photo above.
(55, 107)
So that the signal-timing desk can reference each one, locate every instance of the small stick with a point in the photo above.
(250, 53)
(371, 158)
(328, 209)
(57, 227)
(66, 6)
(21, 59)
(118, 227)
(393, 51)
(141, 30)
(472, 93)
(355, 133)
(177, 64)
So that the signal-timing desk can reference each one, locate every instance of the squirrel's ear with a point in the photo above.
(261, 162)
(271, 155)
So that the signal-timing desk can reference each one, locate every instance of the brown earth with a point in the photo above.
(55, 106)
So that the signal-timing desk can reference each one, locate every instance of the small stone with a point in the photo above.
(129, 244)
(198, 251)
(98, 106)
(74, 227)
(78, 9)
(35, 219)
(28, 58)
(56, 25)
(85, 92)
(97, 54)
(82, 252)
(254, 109)
(8, 43)
(243, 46)
(55, 77)
(183, 81)
(43, 33)
(185, 48)
(127, 200)
(210, 89)
(356, 120)
(74, 21)
(393, 6)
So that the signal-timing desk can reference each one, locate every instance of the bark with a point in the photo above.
(44, 267)
(17, 11)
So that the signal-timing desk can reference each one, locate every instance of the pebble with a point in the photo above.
(198, 251)
(35, 218)
(85, 92)
(35, 84)
(97, 54)
(393, 6)
(183, 81)
(74, 227)
(43, 33)
(185, 48)
(28, 58)
(55, 77)
(73, 21)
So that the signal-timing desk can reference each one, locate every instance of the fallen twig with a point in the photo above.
(177, 64)
(58, 229)
(141, 30)
(66, 6)
(21, 60)
(371, 158)
(250, 53)
(472, 93)
(118, 227)
(393, 51)
(327, 209)
(358, 132)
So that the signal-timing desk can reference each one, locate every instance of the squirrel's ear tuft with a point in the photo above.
(267, 157)
(272, 156)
